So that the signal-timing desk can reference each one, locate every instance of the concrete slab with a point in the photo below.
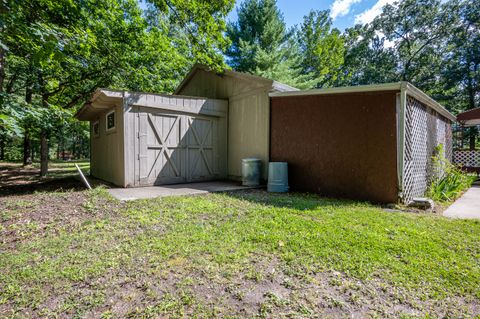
(126, 194)
(467, 206)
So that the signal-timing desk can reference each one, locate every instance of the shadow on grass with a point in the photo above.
(16, 179)
(298, 201)
(52, 185)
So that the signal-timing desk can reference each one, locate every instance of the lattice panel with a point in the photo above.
(424, 130)
(467, 158)
(448, 141)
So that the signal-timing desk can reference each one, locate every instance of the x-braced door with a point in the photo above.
(176, 148)
(161, 149)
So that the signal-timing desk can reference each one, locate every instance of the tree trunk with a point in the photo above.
(471, 142)
(471, 93)
(74, 149)
(2, 69)
(471, 100)
(63, 148)
(27, 160)
(33, 151)
(43, 154)
(43, 133)
(2, 150)
(472, 138)
(82, 151)
(26, 136)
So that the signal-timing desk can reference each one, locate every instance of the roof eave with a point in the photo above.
(92, 104)
(339, 90)
(424, 98)
(396, 86)
(282, 87)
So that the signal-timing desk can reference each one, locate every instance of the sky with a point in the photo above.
(344, 13)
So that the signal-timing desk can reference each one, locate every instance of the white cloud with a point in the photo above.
(340, 8)
(367, 16)
(386, 43)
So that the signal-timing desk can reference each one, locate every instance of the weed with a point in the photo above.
(449, 181)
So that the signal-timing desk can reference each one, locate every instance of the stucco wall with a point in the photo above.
(339, 145)
(107, 158)
(248, 116)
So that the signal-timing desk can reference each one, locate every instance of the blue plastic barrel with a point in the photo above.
(278, 177)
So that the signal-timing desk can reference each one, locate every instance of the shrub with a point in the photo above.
(449, 181)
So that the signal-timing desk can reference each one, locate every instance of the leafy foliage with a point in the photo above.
(321, 47)
(54, 54)
(449, 181)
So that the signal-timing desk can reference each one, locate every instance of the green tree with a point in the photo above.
(322, 48)
(418, 29)
(203, 24)
(366, 59)
(461, 66)
(262, 45)
(56, 53)
(459, 87)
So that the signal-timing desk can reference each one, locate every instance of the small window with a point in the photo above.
(96, 128)
(110, 121)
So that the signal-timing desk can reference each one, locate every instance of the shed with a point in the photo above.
(248, 112)
(214, 120)
(372, 142)
(140, 139)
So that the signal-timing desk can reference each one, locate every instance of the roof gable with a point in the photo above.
(249, 82)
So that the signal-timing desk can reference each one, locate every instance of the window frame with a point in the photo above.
(114, 121)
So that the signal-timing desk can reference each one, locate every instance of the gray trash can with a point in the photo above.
(278, 177)
(251, 171)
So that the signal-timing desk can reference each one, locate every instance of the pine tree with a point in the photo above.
(262, 45)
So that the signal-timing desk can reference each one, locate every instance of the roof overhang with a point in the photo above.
(101, 101)
(470, 117)
(397, 86)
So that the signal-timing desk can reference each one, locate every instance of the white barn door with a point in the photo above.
(178, 148)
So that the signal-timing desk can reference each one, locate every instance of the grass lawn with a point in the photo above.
(248, 254)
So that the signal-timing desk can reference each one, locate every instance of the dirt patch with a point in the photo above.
(31, 206)
(28, 216)
(16, 179)
(276, 293)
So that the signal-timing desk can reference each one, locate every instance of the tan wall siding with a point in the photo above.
(130, 126)
(107, 159)
(248, 120)
(210, 85)
(248, 136)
